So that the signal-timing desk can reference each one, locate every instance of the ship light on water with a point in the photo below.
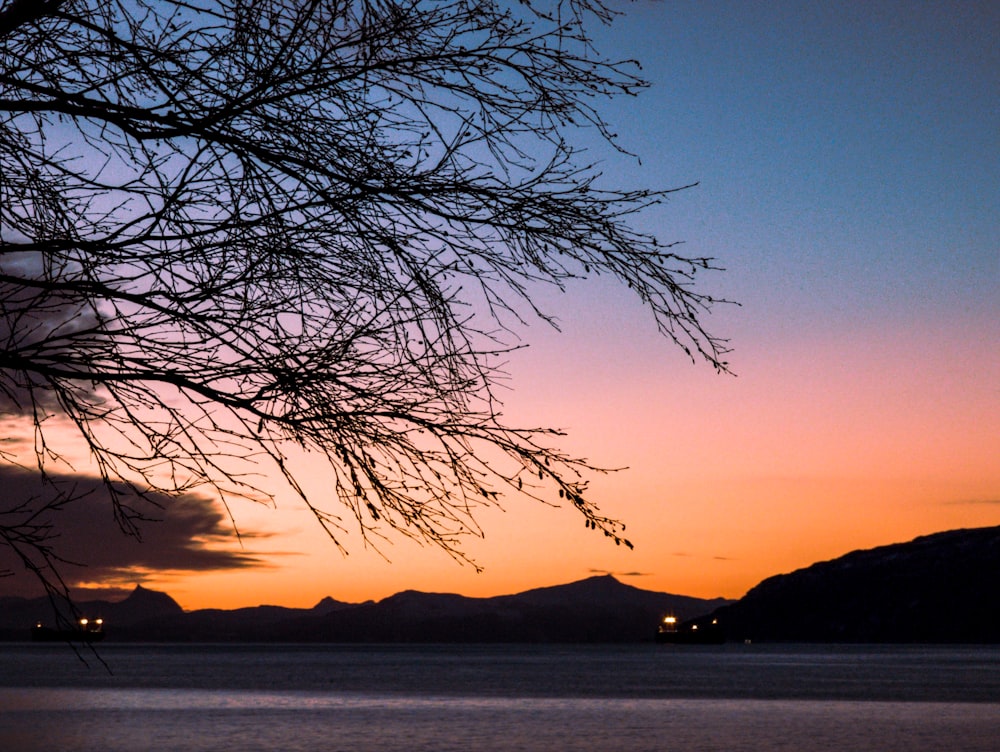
(670, 630)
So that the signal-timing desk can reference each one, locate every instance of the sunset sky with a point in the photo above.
(848, 168)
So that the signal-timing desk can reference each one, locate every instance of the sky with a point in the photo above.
(848, 166)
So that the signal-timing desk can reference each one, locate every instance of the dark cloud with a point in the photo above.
(968, 502)
(184, 534)
(37, 326)
(620, 574)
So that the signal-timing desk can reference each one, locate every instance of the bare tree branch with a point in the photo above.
(232, 227)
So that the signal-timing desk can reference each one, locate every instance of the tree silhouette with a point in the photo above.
(233, 227)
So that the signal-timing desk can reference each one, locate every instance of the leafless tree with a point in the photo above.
(233, 227)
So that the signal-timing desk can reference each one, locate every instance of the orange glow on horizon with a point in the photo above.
(861, 243)
(730, 481)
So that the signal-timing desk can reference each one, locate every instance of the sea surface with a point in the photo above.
(196, 698)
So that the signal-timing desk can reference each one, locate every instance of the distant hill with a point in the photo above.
(936, 588)
(598, 609)
(18, 614)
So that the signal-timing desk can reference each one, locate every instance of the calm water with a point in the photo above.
(533, 698)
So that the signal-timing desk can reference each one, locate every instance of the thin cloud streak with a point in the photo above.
(620, 574)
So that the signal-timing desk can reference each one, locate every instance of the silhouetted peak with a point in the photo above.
(599, 587)
(605, 581)
(329, 604)
(153, 602)
(418, 602)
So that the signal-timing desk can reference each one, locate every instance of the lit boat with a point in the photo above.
(671, 632)
(86, 630)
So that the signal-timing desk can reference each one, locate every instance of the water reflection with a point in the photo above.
(203, 720)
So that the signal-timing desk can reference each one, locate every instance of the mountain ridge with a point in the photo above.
(936, 588)
(595, 609)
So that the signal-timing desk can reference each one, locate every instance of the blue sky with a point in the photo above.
(848, 155)
(848, 161)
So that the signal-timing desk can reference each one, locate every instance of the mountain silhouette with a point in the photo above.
(142, 604)
(598, 609)
(935, 588)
